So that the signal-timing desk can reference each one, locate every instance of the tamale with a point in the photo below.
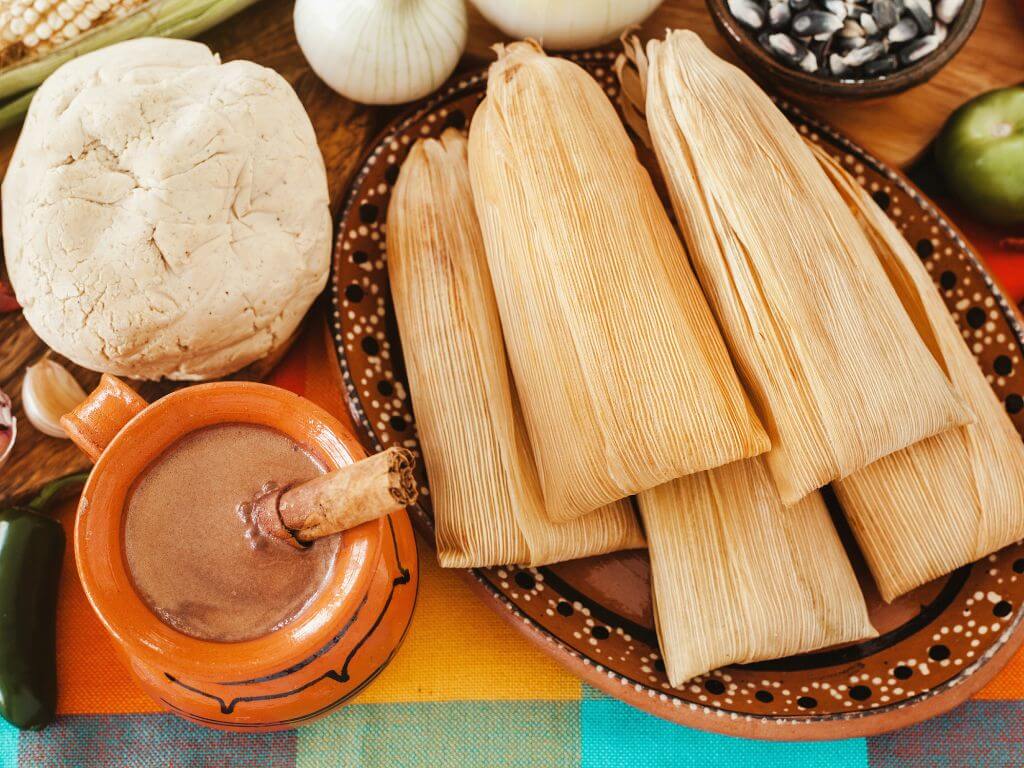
(488, 508)
(954, 498)
(623, 376)
(737, 577)
(832, 362)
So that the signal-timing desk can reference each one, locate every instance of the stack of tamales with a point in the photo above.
(562, 356)
(623, 376)
(857, 370)
(487, 501)
(835, 367)
(738, 577)
(956, 497)
(585, 261)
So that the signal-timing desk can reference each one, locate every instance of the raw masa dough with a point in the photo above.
(166, 215)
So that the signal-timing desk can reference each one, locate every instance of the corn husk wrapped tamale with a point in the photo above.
(954, 498)
(488, 508)
(737, 577)
(624, 379)
(829, 356)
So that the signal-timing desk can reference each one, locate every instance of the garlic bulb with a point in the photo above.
(47, 393)
(565, 24)
(8, 428)
(382, 51)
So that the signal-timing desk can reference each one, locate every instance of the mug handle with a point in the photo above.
(95, 422)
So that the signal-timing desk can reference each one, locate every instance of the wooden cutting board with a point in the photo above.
(897, 130)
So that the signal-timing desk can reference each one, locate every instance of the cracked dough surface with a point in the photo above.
(166, 215)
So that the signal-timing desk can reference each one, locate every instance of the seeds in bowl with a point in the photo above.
(848, 39)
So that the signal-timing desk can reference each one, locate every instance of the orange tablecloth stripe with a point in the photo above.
(494, 661)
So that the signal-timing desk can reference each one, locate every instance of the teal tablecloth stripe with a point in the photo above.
(597, 732)
(8, 746)
(616, 735)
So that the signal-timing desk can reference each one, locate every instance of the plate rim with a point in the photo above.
(636, 693)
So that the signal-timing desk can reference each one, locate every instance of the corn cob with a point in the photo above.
(32, 28)
(37, 36)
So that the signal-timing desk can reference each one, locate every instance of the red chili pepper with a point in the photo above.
(1012, 244)
(7, 301)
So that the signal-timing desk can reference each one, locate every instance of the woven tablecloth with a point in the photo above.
(465, 689)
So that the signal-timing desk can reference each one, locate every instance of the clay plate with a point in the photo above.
(937, 645)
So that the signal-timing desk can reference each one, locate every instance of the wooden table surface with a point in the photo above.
(897, 129)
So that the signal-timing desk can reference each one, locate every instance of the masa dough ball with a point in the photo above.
(166, 215)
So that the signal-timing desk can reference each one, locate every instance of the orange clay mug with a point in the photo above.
(294, 675)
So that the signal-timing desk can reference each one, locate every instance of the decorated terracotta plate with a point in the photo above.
(937, 645)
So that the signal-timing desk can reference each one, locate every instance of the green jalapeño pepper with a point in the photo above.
(981, 154)
(31, 550)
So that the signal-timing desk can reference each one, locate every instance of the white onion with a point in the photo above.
(565, 24)
(382, 51)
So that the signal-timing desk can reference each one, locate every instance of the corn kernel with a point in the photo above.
(31, 28)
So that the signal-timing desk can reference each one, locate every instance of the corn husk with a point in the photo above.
(737, 577)
(950, 500)
(488, 508)
(623, 376)
(830, 358)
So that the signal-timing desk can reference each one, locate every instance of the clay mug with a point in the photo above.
(292, 676)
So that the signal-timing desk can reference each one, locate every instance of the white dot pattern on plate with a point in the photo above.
(938, 648)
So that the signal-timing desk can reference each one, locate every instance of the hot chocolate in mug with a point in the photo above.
(314, 662)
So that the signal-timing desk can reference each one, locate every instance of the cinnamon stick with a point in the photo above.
(366, 490)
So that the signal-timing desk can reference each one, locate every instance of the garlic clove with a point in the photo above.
(8, 428)
(47, 393)
(384, 51)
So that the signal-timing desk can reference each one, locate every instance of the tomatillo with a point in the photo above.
(981, 154)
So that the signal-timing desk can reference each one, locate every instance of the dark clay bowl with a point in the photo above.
(801, 84)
